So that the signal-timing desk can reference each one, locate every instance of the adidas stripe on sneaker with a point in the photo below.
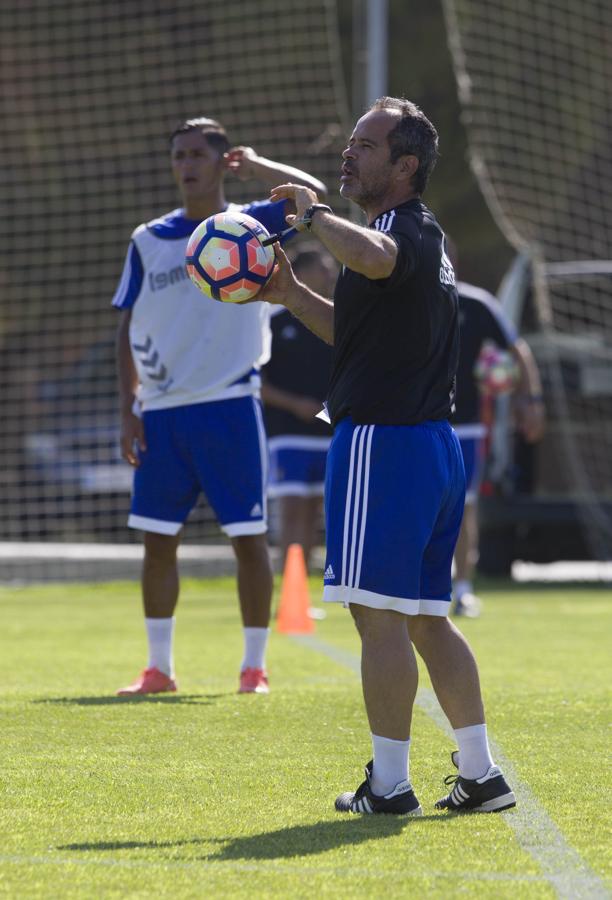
(401, 801)
(490, 793)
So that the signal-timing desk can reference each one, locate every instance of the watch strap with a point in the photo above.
(309, 213)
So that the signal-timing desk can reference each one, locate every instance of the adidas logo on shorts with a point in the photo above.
(257, 510)
(329, 574)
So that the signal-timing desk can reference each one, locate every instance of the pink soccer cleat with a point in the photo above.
(151, 681)
(253, 681)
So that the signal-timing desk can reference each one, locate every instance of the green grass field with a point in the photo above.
(207, 793)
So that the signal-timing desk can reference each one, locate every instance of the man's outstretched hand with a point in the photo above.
(302, 197)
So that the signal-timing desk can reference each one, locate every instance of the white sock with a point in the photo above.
(161, 637)
(474, 754)
(462, 587)
(390, 764)
(255, 643)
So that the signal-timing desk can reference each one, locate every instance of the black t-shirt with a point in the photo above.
(480, 319)
(300, 363)
(396, 339)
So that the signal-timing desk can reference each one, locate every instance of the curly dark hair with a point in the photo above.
(212, 130)
(414, 135)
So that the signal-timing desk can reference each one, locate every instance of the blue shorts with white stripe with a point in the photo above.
(297, 465)
(394, 497)
(218, 448)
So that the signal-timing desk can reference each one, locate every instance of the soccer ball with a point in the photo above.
(495, 370)
(226, 259)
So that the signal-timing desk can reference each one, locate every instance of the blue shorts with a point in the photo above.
(297, 465)
(218, 448)
(472, 441)
(394, 498)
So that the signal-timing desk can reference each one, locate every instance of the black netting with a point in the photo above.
(91, 89)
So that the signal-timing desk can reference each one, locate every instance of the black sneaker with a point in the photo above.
(490, 793)
(399, 802)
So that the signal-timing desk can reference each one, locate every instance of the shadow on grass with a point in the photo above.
(130, 845)
(110, 700)
(285, 843)
(309, 840)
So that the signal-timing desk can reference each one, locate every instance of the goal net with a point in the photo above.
(91, 91)
(535, 84)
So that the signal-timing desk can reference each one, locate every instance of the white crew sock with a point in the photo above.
(474, 754)
(462, 587)
(255, 643)
(390, 764)
(161, 637)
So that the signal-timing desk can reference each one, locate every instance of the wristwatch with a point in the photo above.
(308, 215)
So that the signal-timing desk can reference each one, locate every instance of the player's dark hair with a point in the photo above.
(212, 130)
(414, 135)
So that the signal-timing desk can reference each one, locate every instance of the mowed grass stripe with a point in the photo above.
(208, 793)
(321, 869)
(535, 832)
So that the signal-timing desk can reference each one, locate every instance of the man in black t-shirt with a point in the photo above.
(294, 386)
(490, 346)
(395, 482)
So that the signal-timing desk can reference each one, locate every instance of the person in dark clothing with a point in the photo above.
(294, 386)
(395, 482)
(489, 346)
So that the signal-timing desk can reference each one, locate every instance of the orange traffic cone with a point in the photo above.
(293, 617)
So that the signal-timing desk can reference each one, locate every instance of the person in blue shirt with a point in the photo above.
(191, 419)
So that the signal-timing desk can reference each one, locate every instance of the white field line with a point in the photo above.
(536, 833)
(14, 550)
(30, 551)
